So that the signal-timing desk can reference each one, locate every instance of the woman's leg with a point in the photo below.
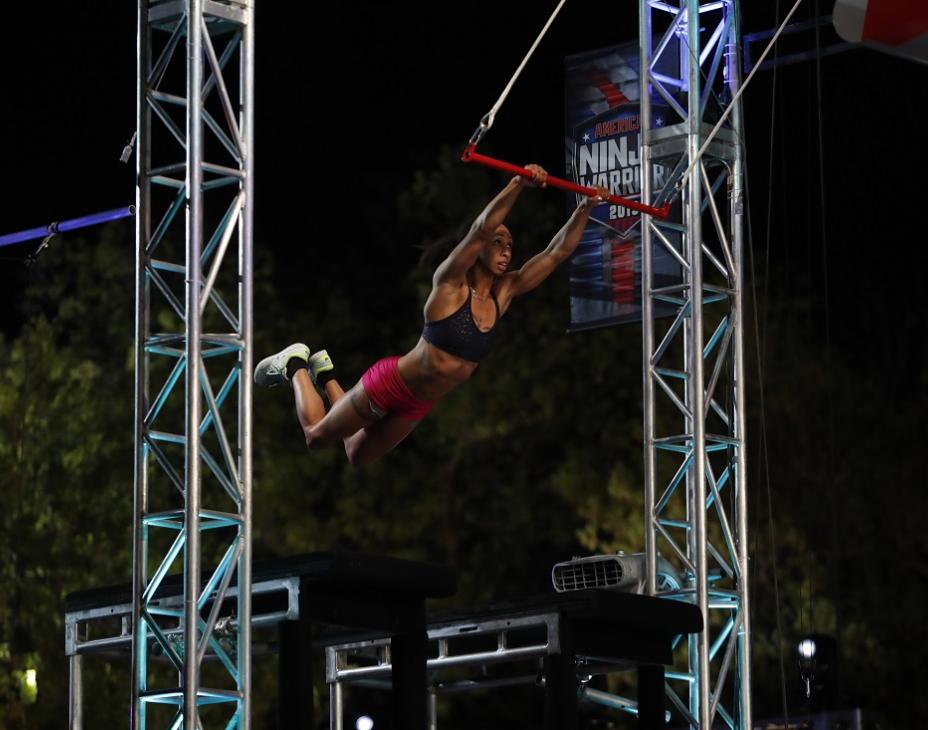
(333, 391)
(377, 439)
(350, 419)
(309, 406)
(366, 433)
(345, 417)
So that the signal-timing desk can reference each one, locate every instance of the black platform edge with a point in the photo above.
(369, 572)
(636, 611)
(351, 572)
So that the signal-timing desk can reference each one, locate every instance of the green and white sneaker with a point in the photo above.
(272, 370)
(319, 363)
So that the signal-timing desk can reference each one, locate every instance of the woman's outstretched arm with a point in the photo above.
(453, 269)
(539, 267)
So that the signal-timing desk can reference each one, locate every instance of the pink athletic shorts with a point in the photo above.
(389, 394)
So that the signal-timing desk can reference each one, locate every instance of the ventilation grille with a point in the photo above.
(600, 572)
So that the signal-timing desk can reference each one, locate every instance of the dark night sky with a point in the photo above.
(360, 95)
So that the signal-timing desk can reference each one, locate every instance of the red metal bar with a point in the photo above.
(471, 155)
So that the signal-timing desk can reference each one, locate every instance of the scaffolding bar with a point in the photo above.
(202, 521)
(31, 234)
(695, 46)
(471, 155)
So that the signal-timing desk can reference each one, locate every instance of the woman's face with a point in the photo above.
(497, 254)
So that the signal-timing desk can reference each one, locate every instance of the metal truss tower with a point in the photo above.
(191, 657)
(694, 410)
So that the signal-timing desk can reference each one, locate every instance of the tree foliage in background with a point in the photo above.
(845, 475)
(537, 458)
(66, 460)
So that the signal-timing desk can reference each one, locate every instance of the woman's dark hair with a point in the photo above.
(436, 250)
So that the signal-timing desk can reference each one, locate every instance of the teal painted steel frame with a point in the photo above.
(180, 73)
(694, 450)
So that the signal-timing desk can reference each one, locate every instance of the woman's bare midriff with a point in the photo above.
(431, 373)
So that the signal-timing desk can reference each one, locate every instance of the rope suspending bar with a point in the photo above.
(487, 121)
(471, 155)
(51, 229)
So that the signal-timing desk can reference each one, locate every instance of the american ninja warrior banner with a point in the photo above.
(602, 148)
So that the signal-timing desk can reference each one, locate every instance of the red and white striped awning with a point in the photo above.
(895, 26)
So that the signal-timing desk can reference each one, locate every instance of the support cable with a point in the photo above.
(770, 151)
(808, 342)
(731, 105)
(486, 122)
(764, 444)
(764, 461)
(829, 410)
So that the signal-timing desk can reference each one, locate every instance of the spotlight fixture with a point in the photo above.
(806, 650)
(817, 660)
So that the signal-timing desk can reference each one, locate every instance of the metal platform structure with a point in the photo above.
(99, 623)
(193, 344)
(694, 388)
(368, 613)
(295, 601)
(546, 641)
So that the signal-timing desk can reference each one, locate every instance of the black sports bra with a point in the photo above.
(458, 334)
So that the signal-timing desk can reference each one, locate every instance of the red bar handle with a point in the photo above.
(471, 155)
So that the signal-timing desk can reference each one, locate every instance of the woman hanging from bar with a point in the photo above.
(471, 289)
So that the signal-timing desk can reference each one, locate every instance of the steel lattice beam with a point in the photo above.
(695, 491)
(193, 351)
